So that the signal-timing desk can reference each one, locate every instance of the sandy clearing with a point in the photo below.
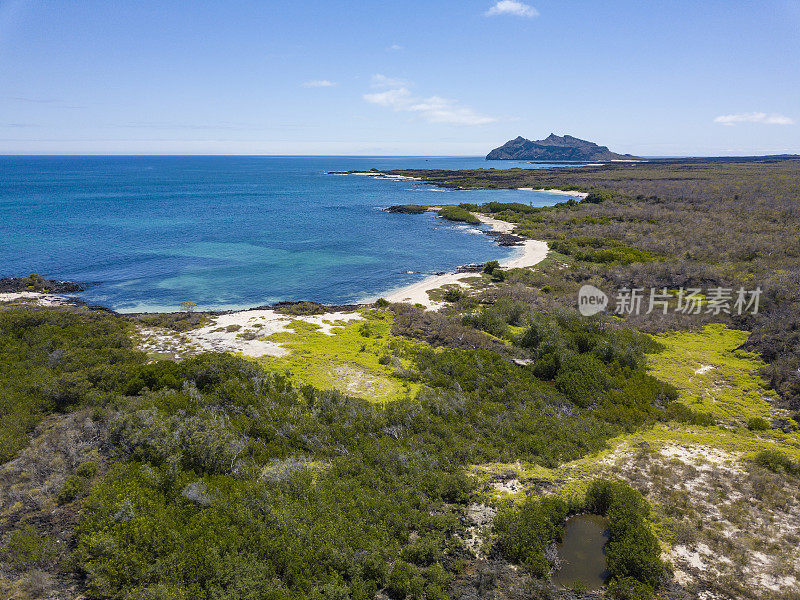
(225, 332)
(700, 456)
(238, 332)
(512, 486)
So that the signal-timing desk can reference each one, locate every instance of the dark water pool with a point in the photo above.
(582, 554)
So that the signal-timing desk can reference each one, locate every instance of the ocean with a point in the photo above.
(227, 232)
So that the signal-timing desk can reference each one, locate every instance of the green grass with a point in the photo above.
(712, 375)
(732, 391)
(570, 480)
(348, 360)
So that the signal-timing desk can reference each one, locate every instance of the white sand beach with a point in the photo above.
(528, 254)
(572, 193)
(379, 175)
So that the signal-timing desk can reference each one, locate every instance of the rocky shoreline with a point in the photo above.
(503, 238)
(38, 284)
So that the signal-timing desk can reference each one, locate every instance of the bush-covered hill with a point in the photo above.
(213, 478)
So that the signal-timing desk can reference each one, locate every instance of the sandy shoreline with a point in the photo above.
(379, 175)
(573, 193)
(528, 254)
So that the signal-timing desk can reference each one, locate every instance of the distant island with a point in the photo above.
(554, 147)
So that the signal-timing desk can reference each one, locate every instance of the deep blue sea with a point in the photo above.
(148, 232)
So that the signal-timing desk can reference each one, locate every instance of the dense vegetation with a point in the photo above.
(53, 360)
(525, 530)
(234, 484)
(672, 224)
(594, 365)
(227, 481)
(457, 213)
(633, 552)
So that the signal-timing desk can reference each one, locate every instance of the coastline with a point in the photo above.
(530, 253)
(242, 331)
(574, 193)
(385, 175)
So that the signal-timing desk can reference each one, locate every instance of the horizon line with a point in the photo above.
(173, 154)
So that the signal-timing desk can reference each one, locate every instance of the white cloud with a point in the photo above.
(754, 117)
(395, 47)
(319, 83)
(433, 109)
(393, 98)
(382, 81)
(512, 7)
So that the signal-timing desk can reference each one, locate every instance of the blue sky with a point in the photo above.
(410, 77)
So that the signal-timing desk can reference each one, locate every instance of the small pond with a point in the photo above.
(582, 554)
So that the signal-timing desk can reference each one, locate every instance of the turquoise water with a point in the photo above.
(230, 231)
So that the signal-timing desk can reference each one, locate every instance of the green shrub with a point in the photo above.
(598, 197)
(678, 411)
(73, 487)
(582, 379)
(490, 266)
(374, 568)
(404, 581)
(87, 469)
(488, 320)
(381, 303)
(423, 552)
(622, 255)
(456, 213)
(525, 530)
(777, 462)
(628, 588)
(758, 424)
(27, 547)
(600, 250)
(366, 330)
(453, 295)
(498, 207)
(633, 551)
